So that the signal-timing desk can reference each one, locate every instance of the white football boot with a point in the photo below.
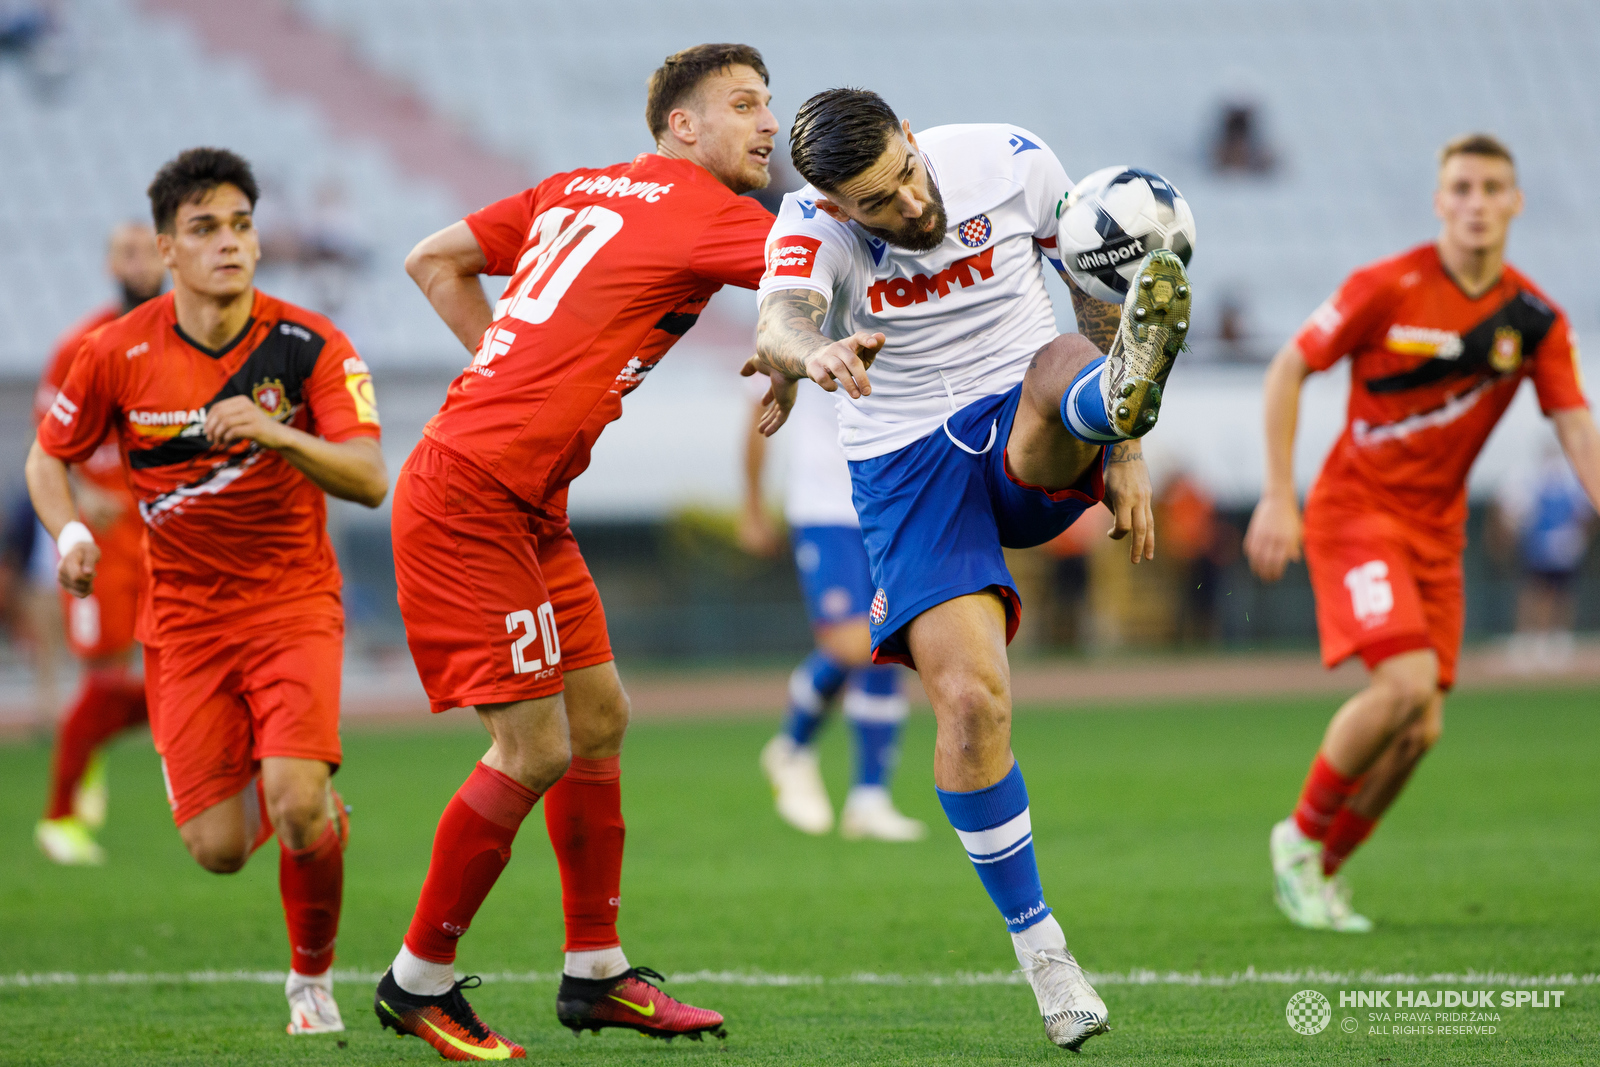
(67, 841)
(870, 815)
(1297, 876)
(1341, 916)
(797, 788)
(312, 1009)
(92, 797)
(1073, 1012)
(1155, 321)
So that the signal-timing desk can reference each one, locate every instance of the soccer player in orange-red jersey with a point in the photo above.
(609, 267)
(235, 413)
(1439, 339)
(99, 626)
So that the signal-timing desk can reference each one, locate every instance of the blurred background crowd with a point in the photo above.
(1302, 133)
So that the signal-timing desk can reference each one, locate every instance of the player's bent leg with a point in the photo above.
(1398, 693)
(876, 710)
(300, 803)
(1042, 450)
(419, 994)
(217, 837)
(959, 647)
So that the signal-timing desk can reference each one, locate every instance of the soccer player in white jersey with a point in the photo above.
(978, 427)
(836, 579)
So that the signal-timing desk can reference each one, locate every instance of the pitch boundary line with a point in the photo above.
(1137, 977)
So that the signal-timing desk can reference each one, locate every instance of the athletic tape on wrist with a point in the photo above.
(71, 536)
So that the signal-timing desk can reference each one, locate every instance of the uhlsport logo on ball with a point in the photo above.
(1308, 1012)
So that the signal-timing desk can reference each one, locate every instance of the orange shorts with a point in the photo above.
(1383, 588)
(495, 595)
(218, 707)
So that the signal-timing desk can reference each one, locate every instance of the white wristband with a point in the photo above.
(71, 536)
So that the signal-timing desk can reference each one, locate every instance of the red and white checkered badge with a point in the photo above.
(975, 231)
(880, 607)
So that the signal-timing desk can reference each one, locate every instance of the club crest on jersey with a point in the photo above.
(975, 231)
(271, 397)
(1505, 355)
(880, 607)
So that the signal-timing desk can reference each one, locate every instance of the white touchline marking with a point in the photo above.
(1248, 976)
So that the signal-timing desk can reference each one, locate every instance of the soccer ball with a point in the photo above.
(1111, 219)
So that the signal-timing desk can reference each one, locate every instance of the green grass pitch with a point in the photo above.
(1151, 829)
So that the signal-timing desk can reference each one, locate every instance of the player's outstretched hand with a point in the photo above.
(844, 364)
(1129, 497)
(76, 573)
(239, 418)
(1273, 538)
(779, 398)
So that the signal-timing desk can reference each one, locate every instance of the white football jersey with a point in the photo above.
(817, 492)
(961, 321)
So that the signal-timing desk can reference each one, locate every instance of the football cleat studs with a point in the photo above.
(1183, 291)
(1180, 326)
(1122, 411)
(1139, 313)
(1147, 280)
(1127, 390)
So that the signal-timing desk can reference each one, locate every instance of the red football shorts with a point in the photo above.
(1383, 588)
(218, 707)
(496, 598)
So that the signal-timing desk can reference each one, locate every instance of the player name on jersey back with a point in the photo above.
(962, 320)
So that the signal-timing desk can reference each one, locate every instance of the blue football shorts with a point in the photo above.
(935, 517)
(834, 574)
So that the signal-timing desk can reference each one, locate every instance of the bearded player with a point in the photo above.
(99, 626)
(1439, 339)
(609, 267)
(235, 413)
(977, 427)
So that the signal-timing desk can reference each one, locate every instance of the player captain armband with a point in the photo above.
(71, 536)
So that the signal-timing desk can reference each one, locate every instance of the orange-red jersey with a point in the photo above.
(1431, 372)
(236, 538)
(118, 542)
(608, 269)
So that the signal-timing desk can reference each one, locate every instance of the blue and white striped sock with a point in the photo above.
(994, 828)
(812, 687)
(876, 710)
(1083, 407)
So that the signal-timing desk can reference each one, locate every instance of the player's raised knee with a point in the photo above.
(1408, 682)
(218, 854)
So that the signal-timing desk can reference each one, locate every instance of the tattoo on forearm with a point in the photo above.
(790, 329)
(1126, 452)
(1097, 320)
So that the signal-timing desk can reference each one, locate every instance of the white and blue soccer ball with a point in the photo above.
(1111, 219)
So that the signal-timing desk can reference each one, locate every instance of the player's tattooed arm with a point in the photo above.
(789, 329)
(1097, 320)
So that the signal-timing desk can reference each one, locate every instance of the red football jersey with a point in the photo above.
(608, 269)
(1431, 372)
(119, 543)
(235, 536)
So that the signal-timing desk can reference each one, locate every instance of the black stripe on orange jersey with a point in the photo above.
(677, 323)
(1523, 320)
(285, 359)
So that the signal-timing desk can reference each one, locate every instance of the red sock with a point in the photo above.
(104, 706)
(1344, 837)
(470, 849)
(583, 812)
(311, 881)
(1324, 794)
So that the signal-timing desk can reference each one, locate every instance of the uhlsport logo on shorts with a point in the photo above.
(1308, 1012)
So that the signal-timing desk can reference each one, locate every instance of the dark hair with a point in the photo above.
(681, 73)
(192, 176)
(839, 133)
(1476, 144)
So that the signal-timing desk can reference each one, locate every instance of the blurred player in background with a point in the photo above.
(978, 427)
(1439, 339)
(235, 413)
(837, 582)
(609, 267)
(1545, 515)
(99, 626)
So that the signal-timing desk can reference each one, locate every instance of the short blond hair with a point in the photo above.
(1476, 144)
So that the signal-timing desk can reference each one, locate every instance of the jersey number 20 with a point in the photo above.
(564, 241)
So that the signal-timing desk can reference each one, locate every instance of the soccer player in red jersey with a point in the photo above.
(99, 626)
(235, 413)
(609, 267)
(1439, 339)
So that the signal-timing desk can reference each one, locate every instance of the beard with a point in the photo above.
(912, 237)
